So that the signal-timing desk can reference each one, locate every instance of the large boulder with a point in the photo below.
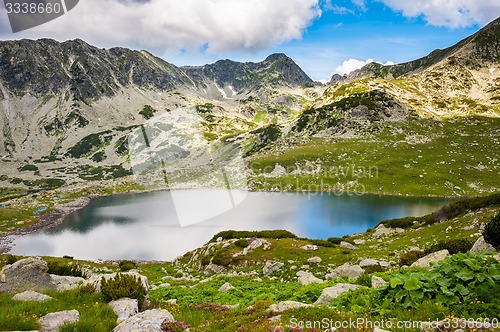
(306, 278)
(368, 262)
(331, 293)
(226, 288)
(346, 270)
(256, 243)
(146, 321)
(314, 259)
(271, 267)
(124, 308)
(54, 321)
(347, 245)
(31, 296)
(381, 231)
(378, 282)
(481, 246)
(63, 283)
(434, 257)
(26, 274)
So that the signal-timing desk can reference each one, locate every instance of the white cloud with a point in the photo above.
(448, 13)
(353, 64)
(219, 25)
(360, 4)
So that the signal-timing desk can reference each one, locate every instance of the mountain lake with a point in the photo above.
(165, 224)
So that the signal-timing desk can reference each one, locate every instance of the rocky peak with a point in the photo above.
(476, 51)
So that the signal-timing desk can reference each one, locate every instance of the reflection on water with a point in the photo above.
(146, 226)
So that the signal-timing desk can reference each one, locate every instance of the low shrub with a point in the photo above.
(322, 243)
(335, 240)
(409, 257)
(11, 259)
(454, 246)
(222, 257)
(242, 243)
(272, 234)
(123, 285)
(364, 280)
(85, 290)
(400, 223)
(126, 265)
(491, 232)
(65, 270)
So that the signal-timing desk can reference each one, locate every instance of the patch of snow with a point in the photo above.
(222, 92)
(492, 70)
(232, 90)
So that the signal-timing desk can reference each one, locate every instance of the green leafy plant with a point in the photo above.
(123, 285)
(452, 281)
(491, 232)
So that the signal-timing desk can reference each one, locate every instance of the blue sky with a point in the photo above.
(320, 35)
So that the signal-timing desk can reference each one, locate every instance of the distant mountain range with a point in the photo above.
(66, 108)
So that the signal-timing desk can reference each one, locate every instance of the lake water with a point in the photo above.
(148, 225)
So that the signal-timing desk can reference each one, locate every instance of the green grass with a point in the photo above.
(95, 314)
(449, 158)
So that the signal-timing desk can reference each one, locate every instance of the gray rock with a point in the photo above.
(164, 285)
(226, 288)
(369, 262)
(310, 247)
(347, 245)
(378, 282)
(434, 257)
(31, 296)
(271, 267)
(287, 305)
(54, 321)
(26, 274)
(314, 259)
(146, 321)
(381, 230)
(384, 264)
(256, 244)
(215, 268)
(481, 246)
(124, 308)
(306, 278)
(63, 283)
(346, 270)
(331, 293)
(359, 241)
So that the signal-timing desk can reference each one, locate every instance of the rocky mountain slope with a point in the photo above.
(67, 109)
